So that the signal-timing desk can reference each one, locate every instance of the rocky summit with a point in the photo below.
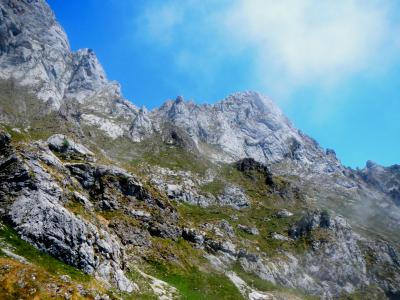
(100, 199)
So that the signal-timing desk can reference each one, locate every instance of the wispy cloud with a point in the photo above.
(291, 42)
(159, 24)
(308, 40)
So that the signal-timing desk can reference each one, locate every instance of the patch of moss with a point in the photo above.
(198, 215)
(174, 158)
(79, 209)
(120, 216)
(215, 187)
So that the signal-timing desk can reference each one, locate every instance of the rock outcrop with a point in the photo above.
(34, 201)
(321, 271)
(385, 179)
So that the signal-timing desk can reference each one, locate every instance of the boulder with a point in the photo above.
(130, 235)
(284, 214)
(249, 166)
(234, 196)
(225, 247)
(67, 147)
(226, 228)
(165, 230)
(249, 229)
(107, 185)
(312, 221)
(280, 237)
(192, 235)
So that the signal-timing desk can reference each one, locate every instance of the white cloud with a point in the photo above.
(311, 39)
(292, 42)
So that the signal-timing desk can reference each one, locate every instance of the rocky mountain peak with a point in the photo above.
(371, 164)
(18, 16)
(35, 52)
(88, 76)
(386, 179)
(250, 100)
(179, 99)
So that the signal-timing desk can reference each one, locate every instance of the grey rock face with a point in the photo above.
(88, 76)
(280, 237)
(385, 179)
(227, 228)
(248, 229)
(165, 230)
(249, 167)
(383, 260)
(66, 146)
(193, 235)
(310, 222)
(284, 214)
(34, 202)
(142, 126)
(5, 139)
(34, 49)
(14, 176)
(234, 196)
(321, 271)
(224, 247)
(107, 184)
(130, 235)
(35, 53)
(187, 190)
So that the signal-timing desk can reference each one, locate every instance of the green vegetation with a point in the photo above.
(79, 209)
(194, 284)
(25, 281)
(16, 135)
(215, 187)
(65, 144)
(261, 217)
(198, 215)
(182, 266)
(172, 157)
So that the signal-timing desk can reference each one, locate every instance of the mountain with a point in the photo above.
(385, 179)
(100, 199)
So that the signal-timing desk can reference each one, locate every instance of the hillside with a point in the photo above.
(100, 199)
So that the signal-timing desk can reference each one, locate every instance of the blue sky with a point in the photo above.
(332, 66)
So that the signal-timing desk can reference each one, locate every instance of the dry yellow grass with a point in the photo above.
(25, 281)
